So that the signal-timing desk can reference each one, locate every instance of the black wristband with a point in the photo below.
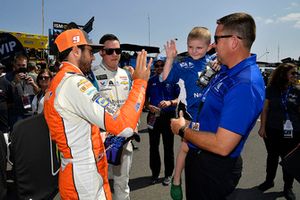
(181, 131)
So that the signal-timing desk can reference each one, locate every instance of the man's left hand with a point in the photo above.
(176, 124)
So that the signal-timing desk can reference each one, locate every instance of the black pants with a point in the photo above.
(209, 176)
(3, 186)
(277, 146)
(162, 127)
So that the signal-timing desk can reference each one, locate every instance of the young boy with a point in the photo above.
(185, 71)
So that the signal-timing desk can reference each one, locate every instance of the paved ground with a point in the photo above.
(254, 156)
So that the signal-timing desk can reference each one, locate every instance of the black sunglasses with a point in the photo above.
(294, 73)
(44, 77)
(216, 37)
(110, 51)
(159, 65)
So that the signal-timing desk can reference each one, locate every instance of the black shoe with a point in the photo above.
(289, 194)
(154, 180)
(265, 186)
(134, 147)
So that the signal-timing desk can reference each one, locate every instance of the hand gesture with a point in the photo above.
(142, 69)
(129, 68)
(171, 51)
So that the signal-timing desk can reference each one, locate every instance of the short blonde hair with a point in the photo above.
(199, 33)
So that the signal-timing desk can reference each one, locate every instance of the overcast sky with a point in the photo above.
(156, 21)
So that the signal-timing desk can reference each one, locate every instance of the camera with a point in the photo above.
(207, 74)
(22, 70)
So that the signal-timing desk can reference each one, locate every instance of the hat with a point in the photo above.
(75, 37)
(159, 58)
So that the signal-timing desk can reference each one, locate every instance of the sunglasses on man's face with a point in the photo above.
(158, 65)
(294, 73)
(110, 51)
(44, 78)
(217, 37)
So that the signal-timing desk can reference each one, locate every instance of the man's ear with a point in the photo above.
(101, 52)
(76, 50)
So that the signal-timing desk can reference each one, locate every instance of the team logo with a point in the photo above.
(124, 83)
(103, 83)
(81, 82)
(84, 87)
(76, 39)
(102, 102)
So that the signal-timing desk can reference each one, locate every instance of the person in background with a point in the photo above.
(280, 123)
(74, 111)
(130, 69)
(229, 108)
(24, 89)
(6, 100)
(32, 70)
(43, 81)
(161, 100)
(115, 83)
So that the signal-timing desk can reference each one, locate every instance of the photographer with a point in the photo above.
(24, 89)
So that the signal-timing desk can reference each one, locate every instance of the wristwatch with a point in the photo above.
(181, 131)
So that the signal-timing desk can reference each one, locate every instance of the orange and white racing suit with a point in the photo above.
(74, 111)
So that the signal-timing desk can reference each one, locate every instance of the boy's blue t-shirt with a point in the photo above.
(185, 73)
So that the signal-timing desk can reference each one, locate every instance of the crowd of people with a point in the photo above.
(85, 106)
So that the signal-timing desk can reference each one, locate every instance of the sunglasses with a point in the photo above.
(110, 51)
(216, 37)
(294, 73)
(44, 78)
(158, 65)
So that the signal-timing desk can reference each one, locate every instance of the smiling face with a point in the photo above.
(44, 80)
(159, 67)
(197, 48)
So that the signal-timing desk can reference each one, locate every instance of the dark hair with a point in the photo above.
(107, 37)
(72, 25)
(62, 56)
(279, 75)
(40, 74)
(19, 56)
(241, 24)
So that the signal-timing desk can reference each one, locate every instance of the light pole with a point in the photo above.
(42, 17)
(264, 54)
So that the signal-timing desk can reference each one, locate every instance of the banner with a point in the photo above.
(31, 40)
(9, 46)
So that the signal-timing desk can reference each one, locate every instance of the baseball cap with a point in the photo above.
(75, 37)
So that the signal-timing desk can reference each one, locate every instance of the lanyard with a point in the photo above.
(92, 78)
(284, 99)
(215, 82)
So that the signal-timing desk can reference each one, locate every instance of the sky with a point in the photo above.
(157, 21)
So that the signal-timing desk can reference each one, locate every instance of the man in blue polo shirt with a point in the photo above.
(230, 106)
(161, 100)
